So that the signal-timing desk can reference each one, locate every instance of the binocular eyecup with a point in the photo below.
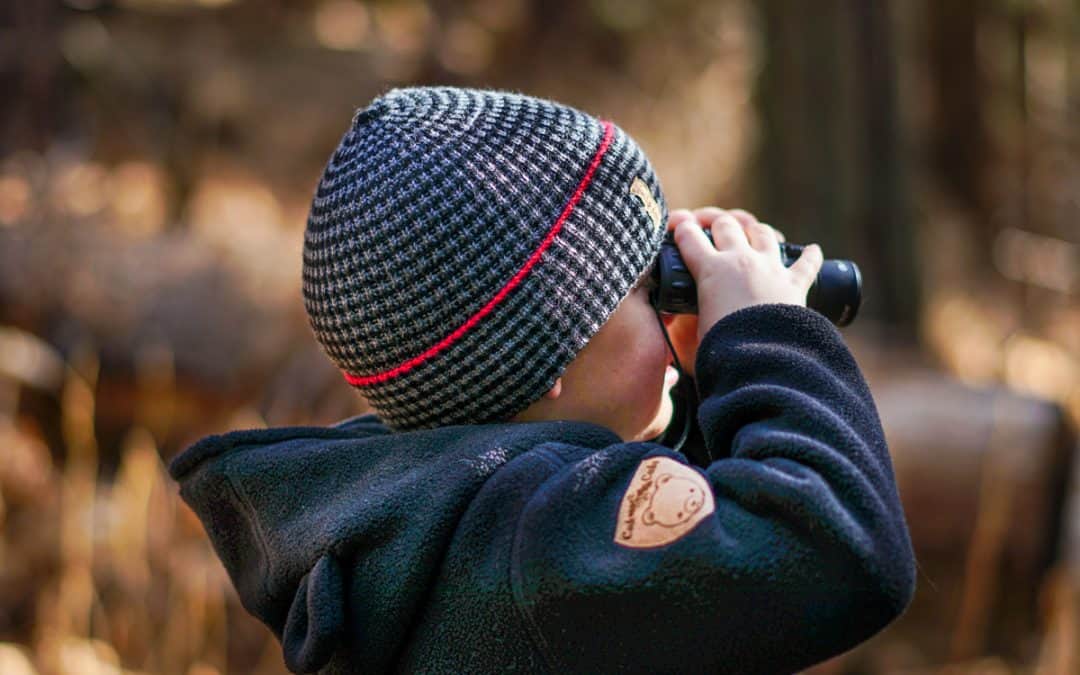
(836, 292)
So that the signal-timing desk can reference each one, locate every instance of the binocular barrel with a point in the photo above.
(836, 293)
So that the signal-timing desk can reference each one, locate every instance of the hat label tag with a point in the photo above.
(639, 189)
(664, 501)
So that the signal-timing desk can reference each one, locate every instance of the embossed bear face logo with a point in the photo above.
(665, 500)
(674, 501)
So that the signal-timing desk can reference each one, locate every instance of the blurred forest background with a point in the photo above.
(157, 158)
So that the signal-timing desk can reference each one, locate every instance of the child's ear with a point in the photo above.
(555, 390)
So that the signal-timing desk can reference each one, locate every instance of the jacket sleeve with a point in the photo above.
(789, 548)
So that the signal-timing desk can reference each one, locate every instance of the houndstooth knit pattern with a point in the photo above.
(436, 206)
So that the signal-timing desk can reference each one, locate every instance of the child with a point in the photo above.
(477, 263)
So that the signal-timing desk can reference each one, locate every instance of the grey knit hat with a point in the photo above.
(464, 245)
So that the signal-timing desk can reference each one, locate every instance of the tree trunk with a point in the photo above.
(830, 162)
(28, 69)
(959, 144)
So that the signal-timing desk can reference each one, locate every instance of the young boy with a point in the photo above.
(477, 264)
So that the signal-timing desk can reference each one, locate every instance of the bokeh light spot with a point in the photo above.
(341, 24)
(14, 199)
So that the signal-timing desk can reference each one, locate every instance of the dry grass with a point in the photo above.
(109, 575)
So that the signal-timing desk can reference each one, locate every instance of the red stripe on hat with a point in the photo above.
(609, 134)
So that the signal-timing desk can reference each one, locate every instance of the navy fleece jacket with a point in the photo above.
(556, 547)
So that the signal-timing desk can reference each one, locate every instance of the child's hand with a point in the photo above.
(743, 269)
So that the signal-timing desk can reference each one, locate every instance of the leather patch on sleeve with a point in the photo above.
(665, 500)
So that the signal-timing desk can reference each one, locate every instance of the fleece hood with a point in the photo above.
(285, 507)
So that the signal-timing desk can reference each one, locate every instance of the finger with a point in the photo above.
(679, 215)
(806, 268)
(707, 215)
(744, 217)
(728, 233)
(765, 240)
(749, 224)
(762, 238)
(779, 235)
(694, 246)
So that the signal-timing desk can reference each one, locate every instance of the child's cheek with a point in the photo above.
(650, 362)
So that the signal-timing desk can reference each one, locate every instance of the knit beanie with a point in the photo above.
(464, 245)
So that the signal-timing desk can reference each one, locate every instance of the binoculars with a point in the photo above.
(836, 292)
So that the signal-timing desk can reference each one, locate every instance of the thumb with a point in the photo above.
(693, 245)
(808, 265)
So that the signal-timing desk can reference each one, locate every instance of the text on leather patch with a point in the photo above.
(664, 501)
(639, 189)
